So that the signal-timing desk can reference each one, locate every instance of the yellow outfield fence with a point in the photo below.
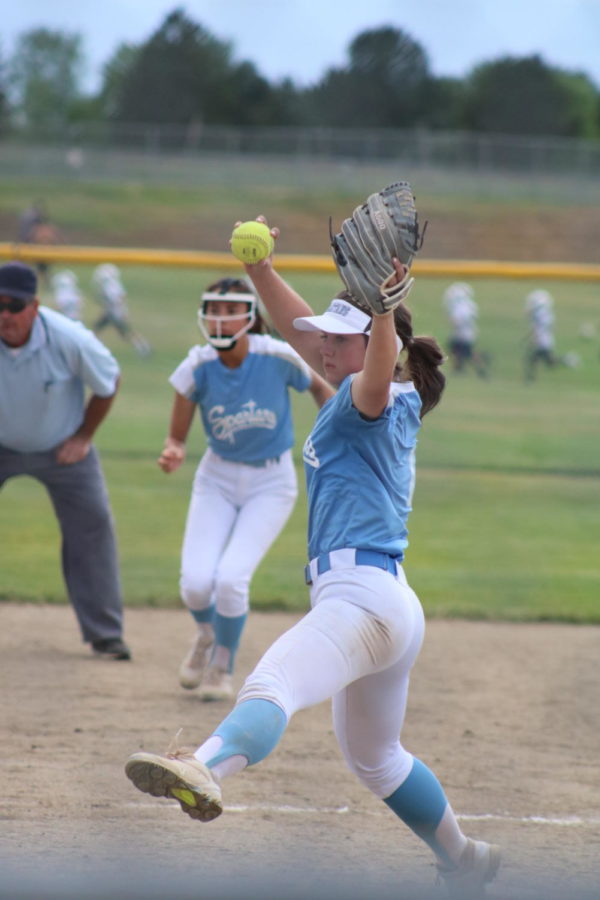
(197, 259)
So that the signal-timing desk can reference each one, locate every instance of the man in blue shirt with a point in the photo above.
(46, 430)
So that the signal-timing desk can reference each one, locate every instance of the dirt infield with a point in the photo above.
(507, 715)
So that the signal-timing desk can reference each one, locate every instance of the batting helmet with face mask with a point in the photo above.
(211, 325)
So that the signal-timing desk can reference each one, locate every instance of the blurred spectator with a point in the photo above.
(462, 311)
(110, 293)
(30, 218)
(35, 227)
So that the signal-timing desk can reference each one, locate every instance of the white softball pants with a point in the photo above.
(357, 645)
(236, 511)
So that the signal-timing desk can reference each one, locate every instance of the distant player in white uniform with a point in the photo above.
(540, 335)
(111, 294)
(364, 631)
(67, 296)
(463, 312)
(245, 486)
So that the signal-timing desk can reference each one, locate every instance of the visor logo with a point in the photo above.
(339, 308)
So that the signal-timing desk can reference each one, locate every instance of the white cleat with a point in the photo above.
(217, 684)
(476, 868)
(182, 777)
(192, 668)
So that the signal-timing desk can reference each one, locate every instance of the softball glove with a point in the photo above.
(386, 225)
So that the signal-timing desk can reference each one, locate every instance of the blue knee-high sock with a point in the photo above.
(228, 631)
(252, 729)
(203, 615)
(420, 802)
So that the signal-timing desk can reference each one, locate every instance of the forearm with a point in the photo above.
(95, 413)
(370, 388)
(180, 423)
(282, 301)
(173, 453)
(77, 447)
(382, 351)
(284, 305)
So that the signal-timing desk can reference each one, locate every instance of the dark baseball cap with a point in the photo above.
(18, 280)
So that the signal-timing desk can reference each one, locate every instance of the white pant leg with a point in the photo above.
(363, 620)
(368, 715)
(211, 516)
(267, 499)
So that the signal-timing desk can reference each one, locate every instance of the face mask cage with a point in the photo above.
(215, 336)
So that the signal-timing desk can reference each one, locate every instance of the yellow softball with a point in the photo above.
(184, 795)
(251, 242)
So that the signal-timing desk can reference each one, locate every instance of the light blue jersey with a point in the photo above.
(245, 411)
(360, 473)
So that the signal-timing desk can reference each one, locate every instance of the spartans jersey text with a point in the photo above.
(250, 416)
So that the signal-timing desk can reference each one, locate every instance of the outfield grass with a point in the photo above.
(506, 516)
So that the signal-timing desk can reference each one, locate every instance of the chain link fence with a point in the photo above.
(448, 149)
(346, 160)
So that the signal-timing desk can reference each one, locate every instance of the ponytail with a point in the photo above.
(424, 357)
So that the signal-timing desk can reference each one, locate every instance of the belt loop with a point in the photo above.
(377, 559)
(307, 575)
(323, 564)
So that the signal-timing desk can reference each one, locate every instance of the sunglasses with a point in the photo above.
(14, 305)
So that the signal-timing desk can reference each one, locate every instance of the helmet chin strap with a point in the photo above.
(222, 343)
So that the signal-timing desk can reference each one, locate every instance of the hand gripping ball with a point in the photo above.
(251, 242)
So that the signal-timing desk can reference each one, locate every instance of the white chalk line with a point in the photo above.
(565, 821)
(294, 810)
(558, 821)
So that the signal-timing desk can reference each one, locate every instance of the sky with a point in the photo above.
(301, 39)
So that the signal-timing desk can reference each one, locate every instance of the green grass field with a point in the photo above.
(507, 503)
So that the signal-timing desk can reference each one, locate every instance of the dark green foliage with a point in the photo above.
(183, 78)
(526, 96)
(177, 76)
(43, 77)
(382, 86)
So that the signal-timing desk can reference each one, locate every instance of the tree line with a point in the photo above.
(184, 76)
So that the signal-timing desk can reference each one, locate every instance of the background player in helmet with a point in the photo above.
(245, 486)
(110, 293)
(463, 312)
(540, 335)
(67, 296)
(364, 631)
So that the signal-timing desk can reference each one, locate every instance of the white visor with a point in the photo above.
(340, 317)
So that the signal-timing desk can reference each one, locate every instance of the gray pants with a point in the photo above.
(89, 552)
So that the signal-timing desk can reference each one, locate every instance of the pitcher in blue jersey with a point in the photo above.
(359, 641)
(245, 486)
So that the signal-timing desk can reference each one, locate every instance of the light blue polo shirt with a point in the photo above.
(42, 384)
